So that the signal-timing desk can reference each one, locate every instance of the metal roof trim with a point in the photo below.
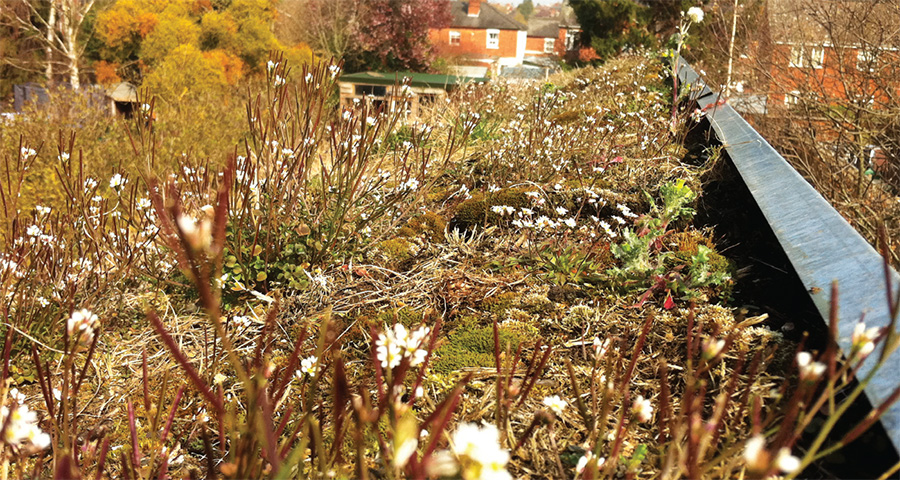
(820, 244)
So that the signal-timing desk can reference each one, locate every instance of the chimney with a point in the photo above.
(474, 8)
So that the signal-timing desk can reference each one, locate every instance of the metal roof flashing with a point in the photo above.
(822, 251)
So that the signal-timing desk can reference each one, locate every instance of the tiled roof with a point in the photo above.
(543, 27)
(488, 17)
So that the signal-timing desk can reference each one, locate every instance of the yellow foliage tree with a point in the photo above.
(173, 30)
(185, 72)
(231, 66)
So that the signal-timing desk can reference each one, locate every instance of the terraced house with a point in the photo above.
(481, 35)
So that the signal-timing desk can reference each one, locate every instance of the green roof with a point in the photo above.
(416, 79)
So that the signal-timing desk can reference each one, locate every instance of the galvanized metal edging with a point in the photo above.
(820, 244)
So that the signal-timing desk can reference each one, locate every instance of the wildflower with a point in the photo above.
(219, 379)
(642, 409)
(64, 156)
(695, 14)
(334, 70)
(503, 210)
(143, 203)
(371, 121)
(478, 449)
(396, 344)
(712, 348)
(526, 211)
(863, 340)
(270, 65)
(33, 231)
(81, 326)
(585, 459)
(625, 210)
(569, 222)
(21, 428)
(755, 454)
(116, 181)
(809, 370)
(493, 189)
(561, 211)
(28, 152)
(786, 462)
(308, 366)
(555, 403)
(411, 185)
(279, 80)
(600, 348)
(42, 210)
(145, 108)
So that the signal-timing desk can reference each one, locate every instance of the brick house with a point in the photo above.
(831, 51)
(480, 34)
(554, 36)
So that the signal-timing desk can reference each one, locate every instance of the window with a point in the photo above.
(374, 90)
(455, 38)
(549, 45)
(866, 61)
(792, 98)
(493, 38)
(570, 40)
(807, 57)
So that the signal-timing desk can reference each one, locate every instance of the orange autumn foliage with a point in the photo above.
(117, 27)
(232, 66)
(106, 72)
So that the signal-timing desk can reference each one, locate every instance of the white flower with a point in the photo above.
(569, 222)
(809, 370)
(863, 340)
(503, 210)
(21, 428)
(33, 231)
(583, 461)
(561, 211)
(371, 121)
(143, 203)
(279, 80)
(695, 14)
(81, 325)
(270, 65)
(28, 152)
(64, 156)
(481, 446)
(642, 408)
(712, 348)
(396, 344)
(754, 450)
(308, 366)
(555, 403)
(116, 181)
(786, 462)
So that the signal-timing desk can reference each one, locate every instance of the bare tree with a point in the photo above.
(57, 24)
(833, 103)
(327, 26)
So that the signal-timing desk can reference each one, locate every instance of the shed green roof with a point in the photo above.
(416, 79)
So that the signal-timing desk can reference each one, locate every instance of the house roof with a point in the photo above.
(488, 17)
(835, 22)
(543, 27)
(416, 79)
(123, 92)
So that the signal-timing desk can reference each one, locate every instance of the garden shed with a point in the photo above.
(379, 88)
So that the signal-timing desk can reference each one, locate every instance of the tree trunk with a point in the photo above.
(51, 34)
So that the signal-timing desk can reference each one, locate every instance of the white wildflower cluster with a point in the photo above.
(279, 80)
(334, 71)
(759, 459)
(21, 430)
(503, 210)
(410, 185)
(241, 322)
(81, 327)
(397, 344)
(27, 152)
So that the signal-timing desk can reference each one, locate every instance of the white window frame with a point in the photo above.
(866, 61)
(792, 98)
(802, 56)
(455, 38)
(495, 44)
(549, 45)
